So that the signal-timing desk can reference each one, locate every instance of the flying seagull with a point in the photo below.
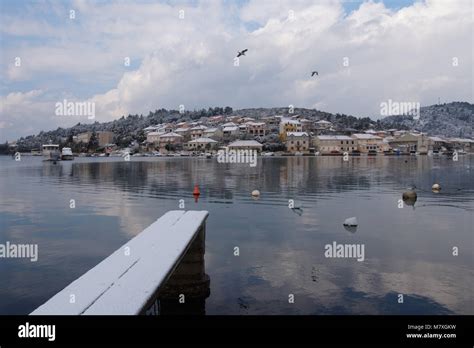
(242, 53)
(314, 73)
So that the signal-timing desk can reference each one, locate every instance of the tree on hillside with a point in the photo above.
(93, 142)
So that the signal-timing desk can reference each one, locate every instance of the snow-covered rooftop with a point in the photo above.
(210, 130)
(366, 136)
(334, 137)
(203, 140)
(230, 129)
(297, 134)
(245, 143)
(200, 127)
(170, 135)
(182, 129)
(229, 124)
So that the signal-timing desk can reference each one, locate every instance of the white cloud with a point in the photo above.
(401, 55)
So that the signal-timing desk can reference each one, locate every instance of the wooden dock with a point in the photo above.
(129, 281)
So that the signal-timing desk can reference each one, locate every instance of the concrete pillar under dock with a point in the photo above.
(186, 290)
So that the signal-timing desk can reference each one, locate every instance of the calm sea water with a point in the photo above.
(407, 251)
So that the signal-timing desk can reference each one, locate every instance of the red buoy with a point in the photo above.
(196, 193)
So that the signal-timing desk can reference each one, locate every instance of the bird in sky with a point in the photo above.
(242, 53)
(314, 73)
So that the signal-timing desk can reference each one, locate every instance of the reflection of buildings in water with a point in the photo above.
(186, 290)
(295, 171)
(50, 168)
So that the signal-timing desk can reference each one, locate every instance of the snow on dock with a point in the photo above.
(127, 281)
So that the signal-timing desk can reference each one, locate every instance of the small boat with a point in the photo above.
(372, 153)
(66, 154)
(355, 153)
(51, 152)
(268, 154)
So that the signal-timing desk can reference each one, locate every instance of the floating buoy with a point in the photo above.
(409, 197)
(436, 188)
(256, 193)
(351, 222)
(196, 193)
(351, 229)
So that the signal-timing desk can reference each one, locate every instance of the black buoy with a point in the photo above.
(409, 197)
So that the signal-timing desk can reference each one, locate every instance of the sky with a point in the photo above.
(183, 53)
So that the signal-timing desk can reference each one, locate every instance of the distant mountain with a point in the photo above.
(450, 120)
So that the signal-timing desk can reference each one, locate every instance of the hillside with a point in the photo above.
(450, 120)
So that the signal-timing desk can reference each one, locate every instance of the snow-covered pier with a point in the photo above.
(167, 258)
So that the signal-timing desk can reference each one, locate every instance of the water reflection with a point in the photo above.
(408, 251)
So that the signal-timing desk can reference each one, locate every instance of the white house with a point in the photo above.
(201, 144)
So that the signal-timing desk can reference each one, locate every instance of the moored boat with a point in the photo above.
(66, 154)
(51, 152)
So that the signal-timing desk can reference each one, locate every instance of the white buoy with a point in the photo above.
(436, 187)
(352, 221)
(255, 193)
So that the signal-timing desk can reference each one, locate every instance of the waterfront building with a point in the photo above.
(368, 143)
(201, 144)
(461, 144)
(245, 145)
(335, 144)
(171, 138)
(404, 142)
(297, 142)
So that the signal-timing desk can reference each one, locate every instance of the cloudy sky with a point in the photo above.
(182, 53)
